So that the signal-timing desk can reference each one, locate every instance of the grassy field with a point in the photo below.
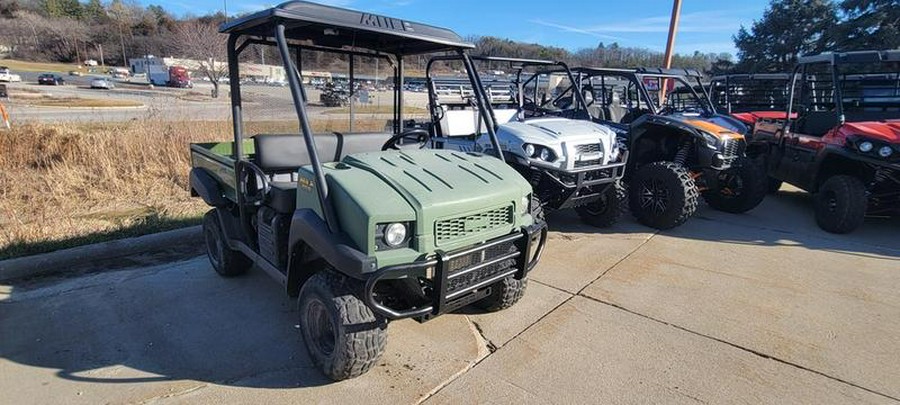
(374, 109)
(64, 185)
(85, 102)
(22, 66)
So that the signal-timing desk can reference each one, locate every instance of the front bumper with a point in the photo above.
(462, 277)
(580, 184)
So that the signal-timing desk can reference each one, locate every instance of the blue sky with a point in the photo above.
(706, 25)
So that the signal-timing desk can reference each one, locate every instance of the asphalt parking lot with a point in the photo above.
(755, 308)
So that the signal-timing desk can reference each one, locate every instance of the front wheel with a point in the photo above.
(739, 189)
(504, 294)
(607, 210)
(343, 336)
(662, 195)
(841, 204)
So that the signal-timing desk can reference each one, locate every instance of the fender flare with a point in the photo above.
(308, 230)
(206, 187)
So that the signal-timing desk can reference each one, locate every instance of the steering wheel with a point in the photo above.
(420, 135)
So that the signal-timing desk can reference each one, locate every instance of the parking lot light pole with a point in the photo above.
(670, 46)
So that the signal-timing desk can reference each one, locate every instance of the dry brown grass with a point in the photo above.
(63, 185)
(86, 102)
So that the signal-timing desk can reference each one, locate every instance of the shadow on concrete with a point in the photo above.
(784, 218)
(177, 321)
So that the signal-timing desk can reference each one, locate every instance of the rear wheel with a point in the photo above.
(606, 211)
(662, 195)
(225, 261)
(739, 189)
(504, 294)
(841, 204)
(343, 336)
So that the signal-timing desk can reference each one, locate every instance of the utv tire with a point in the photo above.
(662, 195)
(224, 260)
(841, 204)
(741, 188)
(606, 211)
(504, 294)
(342, 335)
(774, 185)
(537, 209)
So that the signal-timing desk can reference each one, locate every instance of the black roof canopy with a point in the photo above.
(335, 27)
(852, 57)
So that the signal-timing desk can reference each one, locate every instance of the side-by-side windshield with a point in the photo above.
(334, 102)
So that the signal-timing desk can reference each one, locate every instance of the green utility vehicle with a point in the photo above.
(360, 228)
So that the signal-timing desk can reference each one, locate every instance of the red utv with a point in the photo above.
(843, 145)
(751, 97)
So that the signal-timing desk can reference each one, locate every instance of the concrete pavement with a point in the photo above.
(755, 308)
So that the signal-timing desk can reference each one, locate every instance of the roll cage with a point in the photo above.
(739, 93)
(832, 95)
(483, 102)
(301, 25)
(694, 92)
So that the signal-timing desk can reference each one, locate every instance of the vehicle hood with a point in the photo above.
(721, 126)
(561, 135)
(887, 131)
(559, 129)
(751, 117)
(443, 184)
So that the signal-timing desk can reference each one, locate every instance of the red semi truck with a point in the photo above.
(179, 77)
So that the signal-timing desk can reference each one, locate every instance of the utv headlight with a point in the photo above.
(395, 234)
(546, 155)
(525, 204)
(711, 140)
(529, 149)
(866, 146)
(885, 151)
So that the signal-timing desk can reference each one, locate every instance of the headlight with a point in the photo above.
(710, 139)
(866, 146)
(395, 234)
(526, 204)
(885, 151)
(529, 149)
(546, 155)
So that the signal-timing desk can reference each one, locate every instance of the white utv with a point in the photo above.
(570, 162)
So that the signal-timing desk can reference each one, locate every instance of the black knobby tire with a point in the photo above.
(224, 260)
(841, 204)
(537, 209)
(342, 335)
(504, 294)
(739, 189)
(606, 211)
(774, 185)
(662, 195)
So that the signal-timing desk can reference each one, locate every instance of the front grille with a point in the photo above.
(588, 163)
(589, 148)
(475, 258)
(731, 147)
(460, 227)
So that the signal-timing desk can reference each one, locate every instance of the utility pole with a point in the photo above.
(670, 47)
(100, 47)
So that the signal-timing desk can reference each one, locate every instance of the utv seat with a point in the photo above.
(464, 122)
(615, 112)
(279, 156)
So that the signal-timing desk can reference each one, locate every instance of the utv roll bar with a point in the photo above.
(304, 25)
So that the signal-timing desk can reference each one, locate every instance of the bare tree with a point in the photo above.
(201, 41)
